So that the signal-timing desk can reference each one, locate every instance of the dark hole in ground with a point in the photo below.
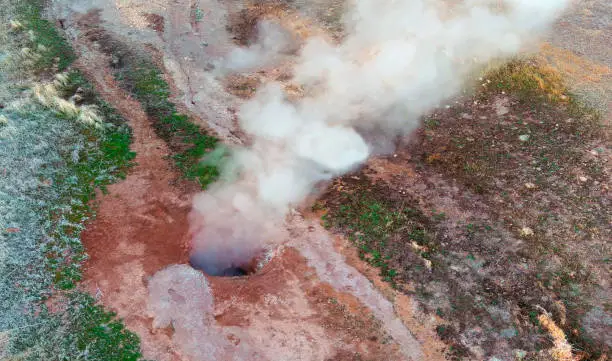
(212, 266)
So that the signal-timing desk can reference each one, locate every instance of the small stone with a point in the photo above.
(524, 137)
(520, 354)
(509, 332)
(233, 339)
(583, 179)
(530, 185)
(526, 232)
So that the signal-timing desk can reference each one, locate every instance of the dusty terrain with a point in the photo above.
(487, 265)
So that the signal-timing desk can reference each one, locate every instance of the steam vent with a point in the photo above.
(305, 180)
(211, 266)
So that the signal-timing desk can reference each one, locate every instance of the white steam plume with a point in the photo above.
(399, 59)
(272, 44)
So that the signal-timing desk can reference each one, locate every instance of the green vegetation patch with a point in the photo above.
(53, 161)
(533, 82)
(102, 161)
(188, 141)
(145, 81)
(85, 331)
(55, 54)
(380, 227)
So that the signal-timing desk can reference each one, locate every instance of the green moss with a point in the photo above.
(374, 224)
(55, 50)
(531, 81)
(189, 142)
(528, 80)
(100, 333)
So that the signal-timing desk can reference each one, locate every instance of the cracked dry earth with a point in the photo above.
(315, 299)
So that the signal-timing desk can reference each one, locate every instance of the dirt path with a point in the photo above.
(141, 225)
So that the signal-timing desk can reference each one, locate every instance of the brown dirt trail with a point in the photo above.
(141, 223)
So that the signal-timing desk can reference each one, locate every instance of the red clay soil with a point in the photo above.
(141, 224)
(141, 227)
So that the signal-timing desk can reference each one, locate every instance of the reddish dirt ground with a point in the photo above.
(141, 227)
(141, 224)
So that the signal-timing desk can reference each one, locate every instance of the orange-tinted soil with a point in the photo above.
(142, 227)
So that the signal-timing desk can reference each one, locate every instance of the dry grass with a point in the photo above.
(562, 350)
(528, 79)
(50, 96)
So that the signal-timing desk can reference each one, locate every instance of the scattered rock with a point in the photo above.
(524, 137)
(583, 179)
(520, 354)
(16, 25)
(509, 332)
(501, 106)
(530, 185)
(155, 22)
(526, 232)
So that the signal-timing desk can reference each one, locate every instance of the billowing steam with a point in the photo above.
(399, 59)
